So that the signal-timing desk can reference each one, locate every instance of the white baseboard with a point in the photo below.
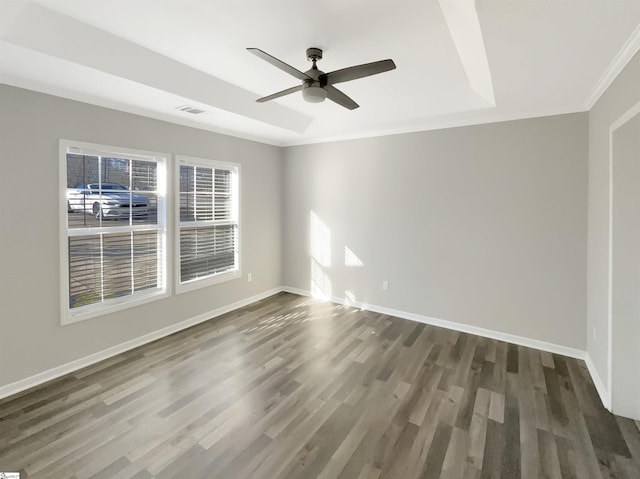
(598, 383)
(487, 333)
(58, 371)
(464, 328)
(53, 373)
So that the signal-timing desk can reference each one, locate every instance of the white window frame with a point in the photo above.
(216, 278)
(68, 315)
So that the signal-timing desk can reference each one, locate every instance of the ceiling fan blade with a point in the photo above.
(359, 71)
(280, 93)
(340, 98)
(279, 64)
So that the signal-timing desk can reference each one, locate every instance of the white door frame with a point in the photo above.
(621, 121)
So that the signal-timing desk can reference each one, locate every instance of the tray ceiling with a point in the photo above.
(458, 62)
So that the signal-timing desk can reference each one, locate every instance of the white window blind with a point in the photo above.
(208, 208)
(115, 229)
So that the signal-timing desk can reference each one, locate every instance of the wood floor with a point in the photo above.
(294, 388)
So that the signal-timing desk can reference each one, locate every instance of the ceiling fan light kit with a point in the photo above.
(317, 85)
(313, 94)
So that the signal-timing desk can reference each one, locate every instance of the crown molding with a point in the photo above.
(624, 56)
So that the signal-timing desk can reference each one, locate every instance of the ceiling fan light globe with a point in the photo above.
(314, 94)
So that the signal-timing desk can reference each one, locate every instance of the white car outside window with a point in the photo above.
(106, 200)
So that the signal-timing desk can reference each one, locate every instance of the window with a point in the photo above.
(113, 228)
(209, 228)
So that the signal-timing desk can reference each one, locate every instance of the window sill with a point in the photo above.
(207, 281)
(83, 313)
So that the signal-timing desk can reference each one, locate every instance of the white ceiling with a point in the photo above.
(458, 62)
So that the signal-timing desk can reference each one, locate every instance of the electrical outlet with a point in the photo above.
(385, 285)
(249, 277)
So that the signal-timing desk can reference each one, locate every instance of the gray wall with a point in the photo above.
(31, 338)
(482, 225)
(623, 94)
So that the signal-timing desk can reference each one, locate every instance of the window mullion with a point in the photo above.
(99, 186)
(101, 267)
(131, 269)
(195, 193)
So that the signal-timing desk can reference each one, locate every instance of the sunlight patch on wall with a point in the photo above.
(320, 257)
(320, 282)
(349, 298)
(351, 260)
(320, 241)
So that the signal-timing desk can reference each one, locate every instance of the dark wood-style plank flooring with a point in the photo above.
(290, 387)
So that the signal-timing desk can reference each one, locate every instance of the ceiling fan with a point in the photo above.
(318, 85)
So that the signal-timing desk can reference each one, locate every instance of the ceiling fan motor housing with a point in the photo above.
(314, 54)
